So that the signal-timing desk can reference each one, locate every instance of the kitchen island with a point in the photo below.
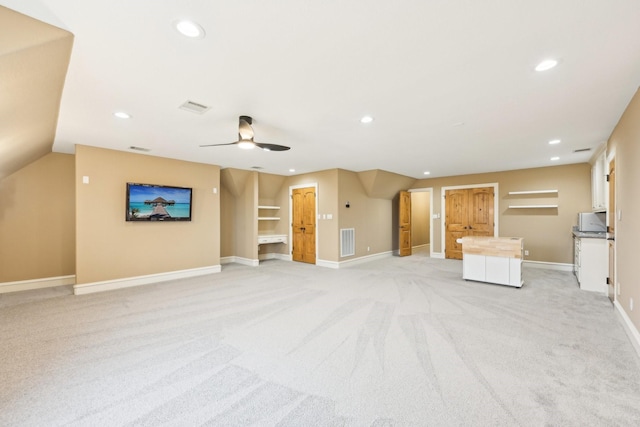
(493, 259)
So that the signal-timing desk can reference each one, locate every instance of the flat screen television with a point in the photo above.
(150, 202)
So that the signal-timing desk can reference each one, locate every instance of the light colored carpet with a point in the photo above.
(402, 341)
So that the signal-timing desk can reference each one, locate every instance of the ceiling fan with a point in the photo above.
(245, 134)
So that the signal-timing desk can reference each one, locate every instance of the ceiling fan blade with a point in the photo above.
(244, 128)
(272, 147)
(218, 145)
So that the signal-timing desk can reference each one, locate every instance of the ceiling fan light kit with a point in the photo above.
(245, 138)
(246, 145)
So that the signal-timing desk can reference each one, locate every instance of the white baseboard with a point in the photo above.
(47, 282)
(240, 260)
(367, 258)
(108, 285)
(353, 261)
(548, 265)
(327, 264)
(629, 327)
(273, 255)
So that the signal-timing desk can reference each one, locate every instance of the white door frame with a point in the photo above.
(430, 190)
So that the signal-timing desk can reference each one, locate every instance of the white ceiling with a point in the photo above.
(451, 84)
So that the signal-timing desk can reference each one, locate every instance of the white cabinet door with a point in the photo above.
(497, 270)
(599, 183)
(473, 267)
(515, 272)
(593, 266)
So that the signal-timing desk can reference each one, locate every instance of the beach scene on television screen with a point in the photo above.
(151, 203)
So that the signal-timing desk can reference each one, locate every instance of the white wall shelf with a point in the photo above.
(532, 192)
(533, 206)
(268, 207)
(268, 218)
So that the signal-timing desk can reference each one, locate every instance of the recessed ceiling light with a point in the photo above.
(366, 119)
(553, 159)
(292, 170)
(547, 64)
(189, 28)
(554, 141)
(122, 115)
(427, 173)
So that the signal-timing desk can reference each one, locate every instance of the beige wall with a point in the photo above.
(239, 216)
(546, 232)
(327, 202)
(420, 219)
(370, 217)
(37, 220)
(227, 222)
(624, 144)
(108, 247)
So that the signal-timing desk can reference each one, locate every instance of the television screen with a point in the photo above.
(147, 202)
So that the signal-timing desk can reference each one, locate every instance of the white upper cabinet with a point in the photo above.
(599, 183)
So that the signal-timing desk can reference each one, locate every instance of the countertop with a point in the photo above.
(509, 247)
(593, 235)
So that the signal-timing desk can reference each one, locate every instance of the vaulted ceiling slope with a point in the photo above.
(34, 58)
(450, 85)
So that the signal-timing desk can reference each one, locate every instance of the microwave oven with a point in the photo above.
(592, 221)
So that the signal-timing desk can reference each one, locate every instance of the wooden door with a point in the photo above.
(304, 224)
(468, 212)
(611, 228)
(481, 218)
(404, 223)
(456, 221)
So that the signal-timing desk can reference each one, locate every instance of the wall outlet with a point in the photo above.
(618, 287)
(526, 252)
(85, 179)
(368, 248)
(631, 304)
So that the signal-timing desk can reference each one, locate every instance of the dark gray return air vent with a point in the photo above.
(581, 150)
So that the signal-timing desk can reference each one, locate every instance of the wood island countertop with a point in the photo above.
(508, 247)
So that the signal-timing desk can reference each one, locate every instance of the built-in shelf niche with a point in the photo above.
(268, 218)
(529, 194)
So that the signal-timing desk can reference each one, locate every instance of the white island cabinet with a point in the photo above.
(492, 259)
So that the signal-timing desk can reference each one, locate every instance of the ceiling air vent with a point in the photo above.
(133, 147)
(194, 107)
(581, 150)
(257, 167)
